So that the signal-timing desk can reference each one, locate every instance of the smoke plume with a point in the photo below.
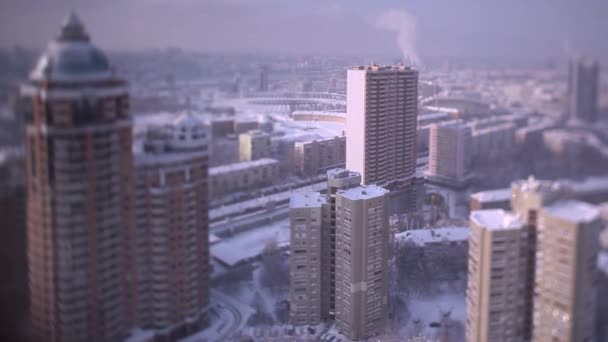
(404, 25)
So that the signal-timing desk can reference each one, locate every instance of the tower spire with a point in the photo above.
(73, 29)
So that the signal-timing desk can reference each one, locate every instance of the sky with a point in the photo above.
(445, 28)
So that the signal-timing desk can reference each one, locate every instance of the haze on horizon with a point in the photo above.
(465, 28)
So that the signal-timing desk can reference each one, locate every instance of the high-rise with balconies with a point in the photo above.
(172, 250)
(80, 221)
(382, 107)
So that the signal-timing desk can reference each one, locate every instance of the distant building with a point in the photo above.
(492, 138)
(242, 176)
(491, 199)
(263, 79)
(254, 145)
(495, 307)
(450, 150)
(382, 106)
(172, 249)
(583, 87)
(308, 212)
(80, 220)
(566, 272)
(362, 234)
(315, 157)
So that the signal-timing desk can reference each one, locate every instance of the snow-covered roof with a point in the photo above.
(242, 166)
(306, 200)
(421, 237)
(573, 211)
(250, 244)
(496, 219)
(363, 192)
(497, 195)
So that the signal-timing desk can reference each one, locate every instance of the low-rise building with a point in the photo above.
(318, 156)
(242, 176)
(254, 145)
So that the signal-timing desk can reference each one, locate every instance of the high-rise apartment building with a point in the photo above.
(254, 145)
(172, 249)
(382, 106)
(308, 213)
(528, 197)
(80, 221)
(450, 150)
(337, 179)
(362, 234)
(583, 86)
(497, 266)
(566, 272)
(554, 259)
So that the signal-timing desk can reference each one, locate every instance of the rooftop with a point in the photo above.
(496, 219)
(363, 192)
(421, 237)
(376, 67)
(341, 173)
(306, 200)
(241, 166)
(573, 211)
(498, 195)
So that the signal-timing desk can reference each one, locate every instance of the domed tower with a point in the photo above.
(79, 184)
(172, 226)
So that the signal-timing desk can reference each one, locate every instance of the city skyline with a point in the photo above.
(178, 196)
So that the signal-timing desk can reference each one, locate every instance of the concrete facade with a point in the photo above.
(450, 150)
(172, 228)
(242, 176)
(307, 213)
(254, 145)
(382, 106)
(566, 272)
(362, 234)
(315, 157)
(497, 266)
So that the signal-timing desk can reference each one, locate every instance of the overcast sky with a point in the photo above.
(512, 28)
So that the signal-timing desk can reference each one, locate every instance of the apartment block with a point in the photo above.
(566, 272)
(381, 126)
(254, 145)
(242, 176)
(308, 212)
(450, 150)
(172, 249)
(315, 157)
(337, 179)
(362, 234)
(497, 266)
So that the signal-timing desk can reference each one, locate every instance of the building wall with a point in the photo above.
(172, 242)
(381, 123)
(253, 146)
(318, 156)
(242, 176)
(449, 150)
(80, 218)
(306, 255)
(497, 266)
(565, 274)
(361, 264)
